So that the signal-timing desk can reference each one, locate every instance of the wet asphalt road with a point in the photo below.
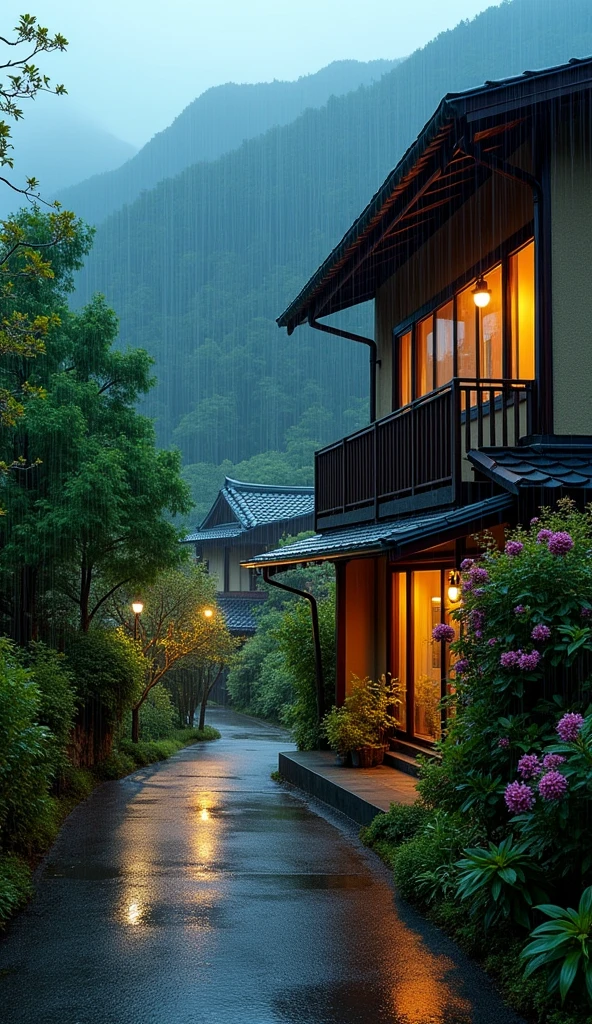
(200, 892)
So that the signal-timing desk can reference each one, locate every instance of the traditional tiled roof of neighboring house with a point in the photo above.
(238, 612)
(246, 506)
(258, 504)
(553, 463)
(393, 535)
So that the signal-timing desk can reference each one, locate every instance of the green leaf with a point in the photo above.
(568, 973)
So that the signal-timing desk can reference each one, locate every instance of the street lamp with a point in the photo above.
(208, 613)
(137, 608)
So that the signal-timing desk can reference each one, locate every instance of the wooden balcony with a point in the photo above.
(414, 458)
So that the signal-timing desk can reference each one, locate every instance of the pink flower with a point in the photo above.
(478, 575)
(519, 609)
(519, 797)
(467, 563)
(461, 667)
(529, 766)
(534, 520)
(560, 543)
(492, 641)
(569, 726)
(509, 659)
(551, 761)
(541, 632)
(543, 536)
(553, 786)
(503, 742)
(513, 548)
(528, 662)
(443, 632)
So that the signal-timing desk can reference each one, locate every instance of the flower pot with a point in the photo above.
(378, 754)
(362, 757)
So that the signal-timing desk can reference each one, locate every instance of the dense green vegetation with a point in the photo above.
(200, 266)
(273, 675)
(216, 122)
(498, 850)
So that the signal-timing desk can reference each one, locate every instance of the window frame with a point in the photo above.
(500, 256)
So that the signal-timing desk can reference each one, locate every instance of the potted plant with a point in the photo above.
(358, 727)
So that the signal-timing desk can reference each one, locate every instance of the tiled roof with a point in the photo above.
(238, 613)
(543, 463)
(258, 504)
(380, 537)
(222, 532)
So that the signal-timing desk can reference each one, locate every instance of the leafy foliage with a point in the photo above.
(108, 668)
(564, 943)
(499, 881)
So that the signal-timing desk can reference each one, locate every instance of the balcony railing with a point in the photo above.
(415, 456)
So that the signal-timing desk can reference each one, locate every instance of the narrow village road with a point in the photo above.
(200, 892)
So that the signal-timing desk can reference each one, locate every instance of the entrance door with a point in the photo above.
(421, 666)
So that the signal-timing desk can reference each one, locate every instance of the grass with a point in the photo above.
(16, 886)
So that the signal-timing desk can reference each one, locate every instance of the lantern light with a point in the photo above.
(137, 607)
(208, 612)
(481, 293)
(454, 587)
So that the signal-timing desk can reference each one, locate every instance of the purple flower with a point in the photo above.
(443, 632)
(477, 618)
(551, 761)
(534, 520)
(478, 575)
(569, 727)
(543, 536)
(509, 659)
(466, 586)
(492, 641)
(541, 632)
(503, 742)
(467, 563)
(553, 786)
(529, 766)
(586, 613)
(461, 667)
(519, 797)
(519, 609)
(560, 543)
(513, 548)
(528, 662)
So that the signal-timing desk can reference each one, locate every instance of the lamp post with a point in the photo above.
(137, 608)
(208, 613)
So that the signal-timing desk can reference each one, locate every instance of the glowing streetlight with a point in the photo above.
(208, 613)
(137, 608)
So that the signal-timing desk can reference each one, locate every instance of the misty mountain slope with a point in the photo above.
(58, 147)
(216, 122)
(199, 267)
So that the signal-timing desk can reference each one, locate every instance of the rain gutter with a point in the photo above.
(374, 360)
(316, 636)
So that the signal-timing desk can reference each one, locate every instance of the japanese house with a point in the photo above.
(246, 519)
(477, 253)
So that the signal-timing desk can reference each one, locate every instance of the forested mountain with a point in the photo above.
(215, 123)
(59, 147)
(199, 267)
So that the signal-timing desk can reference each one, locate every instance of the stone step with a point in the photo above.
(402, 762)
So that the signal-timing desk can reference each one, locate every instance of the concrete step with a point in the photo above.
(402, 762)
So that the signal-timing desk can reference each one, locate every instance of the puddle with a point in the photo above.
(351, 1003)
(309, 881)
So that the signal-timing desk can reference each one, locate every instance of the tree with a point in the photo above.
(180, 624)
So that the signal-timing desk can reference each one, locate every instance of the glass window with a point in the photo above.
(444, 344)
(427, 613)
(521, 267)
(400, 652)
(490, 329)
(466, 338)
(404, 369)
(424, 357)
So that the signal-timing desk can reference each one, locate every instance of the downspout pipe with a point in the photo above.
(374, 360)
(316, 636)
(543, 351)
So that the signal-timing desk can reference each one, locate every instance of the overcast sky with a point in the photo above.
(133, 65)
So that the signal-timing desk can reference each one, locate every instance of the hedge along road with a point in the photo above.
(201, 892)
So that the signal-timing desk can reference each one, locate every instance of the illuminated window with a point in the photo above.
(444, 344)
(427, 666)
(424, 357)
(490, 329)
(400, 644)
(404, 369)
(521, 268)
(466, 333)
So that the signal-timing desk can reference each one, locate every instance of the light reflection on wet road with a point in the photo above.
(200, 892)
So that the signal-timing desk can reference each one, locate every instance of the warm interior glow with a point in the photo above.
(481, 293)
(137, 607)
(444, 344)
(490, 329)
(522, 299)
(424, 357)
(404, 369)
(400, 652)
(427, 668)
